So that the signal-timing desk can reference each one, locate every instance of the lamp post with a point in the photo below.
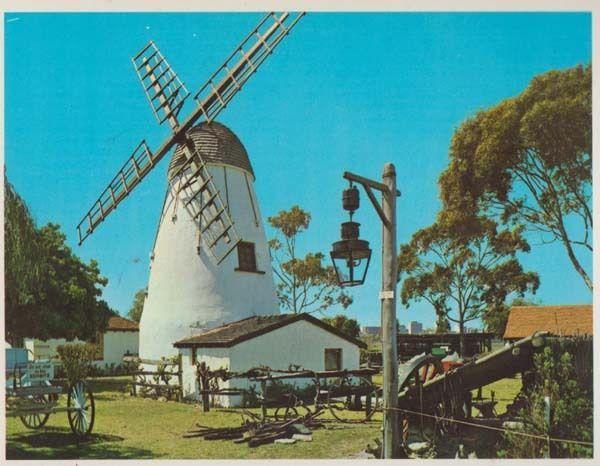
(350, 252)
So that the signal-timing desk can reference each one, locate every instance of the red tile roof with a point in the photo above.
(120, 324)
(558, 320)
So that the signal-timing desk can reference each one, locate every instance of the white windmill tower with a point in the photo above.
(210, 207)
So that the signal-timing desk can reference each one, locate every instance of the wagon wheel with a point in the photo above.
(415, 374)
(453, 407)
(37, 420)
(345, 396)
(81, 411)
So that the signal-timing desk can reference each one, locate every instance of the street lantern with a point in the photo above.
(350, 256)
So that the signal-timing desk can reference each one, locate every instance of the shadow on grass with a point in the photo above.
(61, 443)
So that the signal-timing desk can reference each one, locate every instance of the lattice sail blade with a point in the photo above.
(137, 166)
(163, 88)
(194, 187)
(243, 62)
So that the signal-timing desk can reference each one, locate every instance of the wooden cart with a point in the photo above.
(31, 397)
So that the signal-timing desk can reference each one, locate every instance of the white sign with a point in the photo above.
(39, 372)
(386, 294)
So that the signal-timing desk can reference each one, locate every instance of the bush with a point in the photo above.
(563, 371)
(77, 360)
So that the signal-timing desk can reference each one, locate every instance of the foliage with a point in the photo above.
(22, 264)
(570, 388)
(528, 161)
(345, 324)
(71, 306)
(135, 312)
(77, 360)
(304, 284)
(463, 268)
(50, 292)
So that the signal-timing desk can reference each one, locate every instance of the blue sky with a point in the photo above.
(342, 92)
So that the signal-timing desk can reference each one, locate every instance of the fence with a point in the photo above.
(161, 383)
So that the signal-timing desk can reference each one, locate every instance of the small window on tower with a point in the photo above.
(246, 257)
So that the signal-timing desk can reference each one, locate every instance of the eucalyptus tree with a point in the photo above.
(464, 268)
(528, 161)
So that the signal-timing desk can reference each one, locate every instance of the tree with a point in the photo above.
(349, 326)
(50, 292)
(463, 268)
(22, 263)
(71, 290)
(135, 312)
(304, 284)
(528, 161)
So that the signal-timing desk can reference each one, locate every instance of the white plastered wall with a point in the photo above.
(117, 344)
(187, 291)
(300, 343)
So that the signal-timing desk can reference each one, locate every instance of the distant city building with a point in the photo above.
(416, 327)
(370, 330)
(402, 329)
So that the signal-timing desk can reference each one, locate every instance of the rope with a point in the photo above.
(525, 434)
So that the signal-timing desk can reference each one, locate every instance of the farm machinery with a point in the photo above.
(433, 396)
(31, 396)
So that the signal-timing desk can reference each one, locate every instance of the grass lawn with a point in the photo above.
(128, 428)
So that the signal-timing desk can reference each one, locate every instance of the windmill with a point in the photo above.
(210, 208)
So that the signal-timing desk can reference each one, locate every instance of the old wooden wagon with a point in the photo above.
(31, 397)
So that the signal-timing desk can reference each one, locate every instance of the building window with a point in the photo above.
(247, 257)
(333, 359)
(194, 356)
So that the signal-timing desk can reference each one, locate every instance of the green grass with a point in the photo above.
(505, 391)
(128, 428)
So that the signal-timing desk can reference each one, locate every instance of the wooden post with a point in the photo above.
(547, 419)
(203, 376)
(263, 389)
(180, 376)
(391, 440)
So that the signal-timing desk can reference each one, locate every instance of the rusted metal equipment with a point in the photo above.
(31, 397)
(342, 392)
(426, 389)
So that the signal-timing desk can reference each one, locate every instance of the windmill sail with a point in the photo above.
(243, 62)
(163, 88)
(166, 94)
(194, 187)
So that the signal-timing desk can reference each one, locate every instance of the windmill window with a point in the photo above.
(246, 257)
(333, 359)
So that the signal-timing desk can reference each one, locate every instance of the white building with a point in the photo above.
(45, 349)
(122, 337)
(187, 290)
(416, 327)
(275, 341)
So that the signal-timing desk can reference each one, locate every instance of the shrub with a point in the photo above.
(77, 360)
(563, 372)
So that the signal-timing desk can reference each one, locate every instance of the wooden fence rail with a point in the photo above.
(161, 374)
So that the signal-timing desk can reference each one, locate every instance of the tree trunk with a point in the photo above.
(461, 331)
(577, 265)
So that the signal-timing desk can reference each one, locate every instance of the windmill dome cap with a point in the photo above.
(216, 144)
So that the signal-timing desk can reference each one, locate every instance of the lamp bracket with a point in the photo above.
(369, 185)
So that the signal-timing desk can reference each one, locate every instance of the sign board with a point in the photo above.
(39, 372)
